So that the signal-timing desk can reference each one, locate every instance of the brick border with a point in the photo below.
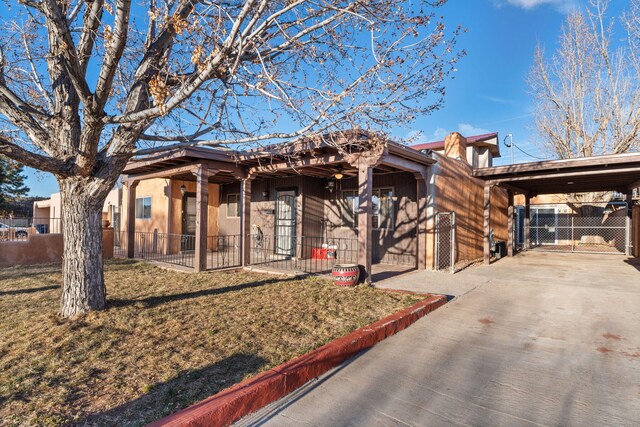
(228, 406)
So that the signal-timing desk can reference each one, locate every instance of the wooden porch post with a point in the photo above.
(527, 222)
(131, 217)
(365, 186)
(628, 224)
(487, 225)
(245, 220)
(421, 204)
(510, 224)
(202, 217)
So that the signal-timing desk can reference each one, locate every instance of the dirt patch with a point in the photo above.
(611, 336)
(166, 340)
(604, 350)
(633, 355)
(486, 321)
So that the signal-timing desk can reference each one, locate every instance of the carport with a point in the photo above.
(618, 173)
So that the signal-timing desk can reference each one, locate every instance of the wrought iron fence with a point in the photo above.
(179, 249)
(163, 247)
(224, 251)
(19, 229)
(305, 254)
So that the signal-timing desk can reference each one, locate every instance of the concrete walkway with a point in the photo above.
(538, 339)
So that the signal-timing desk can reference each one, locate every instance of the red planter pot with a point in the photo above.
(345, 274)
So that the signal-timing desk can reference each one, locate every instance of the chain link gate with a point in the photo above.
(561, 230)
(445, 241)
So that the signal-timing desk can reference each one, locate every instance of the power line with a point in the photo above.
(527, 154)
(513, 144)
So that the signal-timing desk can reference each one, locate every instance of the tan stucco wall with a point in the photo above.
(166, 205)
(46, 210)
(175, 217)
(44, 248)
(545, 199)
(158, 190)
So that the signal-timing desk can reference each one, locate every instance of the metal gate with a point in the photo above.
(445, 241)
(285, 223)
(561, 229)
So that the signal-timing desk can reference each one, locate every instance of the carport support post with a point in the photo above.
(527, 221)
(487, 225)
(628, 222)
(245, 225)
(202, 217)
(365, 190)
(510, 224)
(131, 217)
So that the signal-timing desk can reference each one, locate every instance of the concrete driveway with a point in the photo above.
(538, 339)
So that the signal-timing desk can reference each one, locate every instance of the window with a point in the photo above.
(143, 208)
(382, 212)
(233, 205)
(350, 217)
(382, 200)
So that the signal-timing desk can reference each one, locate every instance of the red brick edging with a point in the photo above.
(228, 406)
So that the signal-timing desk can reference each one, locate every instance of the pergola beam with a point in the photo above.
(212, 167)
(270, 168)
(405, 165)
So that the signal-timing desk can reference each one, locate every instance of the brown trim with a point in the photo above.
(556, 165)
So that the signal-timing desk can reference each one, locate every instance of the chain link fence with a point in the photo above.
(561, 229)
(445, 241)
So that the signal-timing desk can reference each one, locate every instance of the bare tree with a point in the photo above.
(86, 85)
(587, 94)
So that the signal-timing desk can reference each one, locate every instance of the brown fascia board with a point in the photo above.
(410, 154)
(556, 165)
(195, 154)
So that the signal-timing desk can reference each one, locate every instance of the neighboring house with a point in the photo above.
(47, 213)
(310, 204)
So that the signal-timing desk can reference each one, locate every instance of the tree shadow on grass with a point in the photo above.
(31, 272)
(28, 290)
(155, 301)
(187, 388)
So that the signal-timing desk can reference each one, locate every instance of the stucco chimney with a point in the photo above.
(455, 146)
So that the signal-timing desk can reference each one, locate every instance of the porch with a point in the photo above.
(299, 209)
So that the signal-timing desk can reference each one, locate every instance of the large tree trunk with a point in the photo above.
(83, 278)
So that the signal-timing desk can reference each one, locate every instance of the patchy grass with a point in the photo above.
(167, 339)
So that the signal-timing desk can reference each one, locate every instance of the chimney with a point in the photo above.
(455, 146)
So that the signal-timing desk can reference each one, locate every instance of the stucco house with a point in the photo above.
(337, 198)
(47, 213)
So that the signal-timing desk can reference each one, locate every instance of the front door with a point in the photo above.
(188, 222)
(285, 224)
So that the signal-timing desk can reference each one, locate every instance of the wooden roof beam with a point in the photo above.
(212, 167)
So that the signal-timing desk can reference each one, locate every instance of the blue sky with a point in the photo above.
(489, 92)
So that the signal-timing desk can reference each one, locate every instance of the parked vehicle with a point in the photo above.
(19, 232)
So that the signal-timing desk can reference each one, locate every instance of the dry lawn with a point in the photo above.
(167, 340)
